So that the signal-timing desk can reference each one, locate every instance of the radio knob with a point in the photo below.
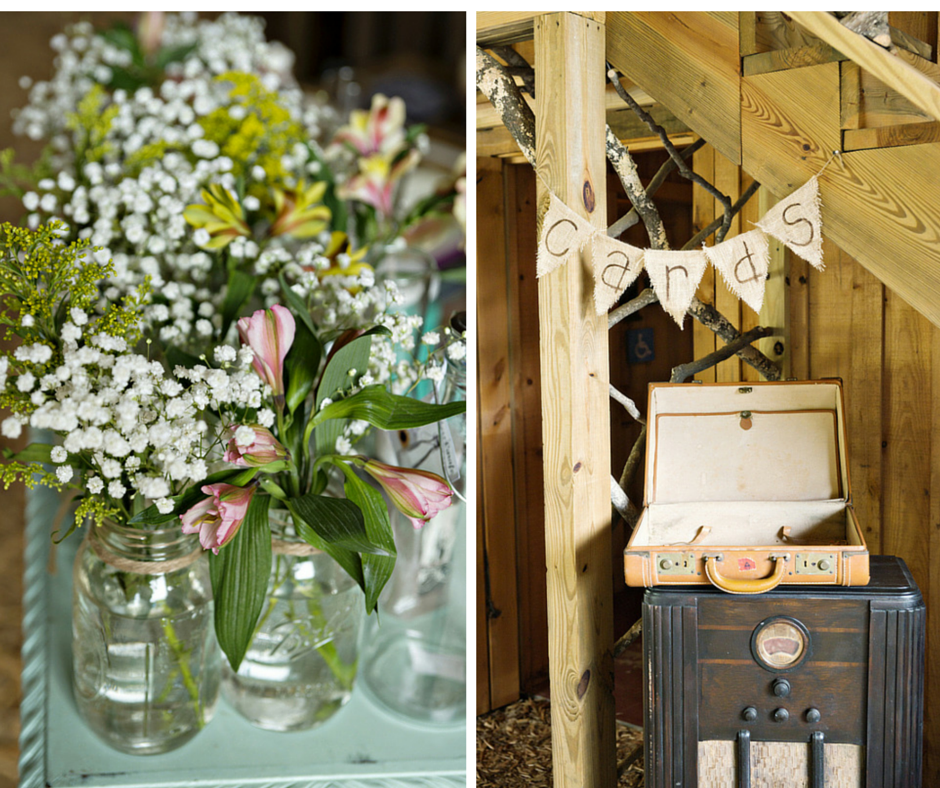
(781, 688)
(813, 715)
(749, 714)
(781, 715)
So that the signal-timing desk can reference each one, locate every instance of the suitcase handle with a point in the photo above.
(756, 586)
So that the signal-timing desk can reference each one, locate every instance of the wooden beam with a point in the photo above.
(775, 311)
(890, 69)
(880, 206)
(625, 124)
(891, 136)
(487, 116)
(496, 436)
(508, 27)
(783, 59)
(688, 61)
(569, 72)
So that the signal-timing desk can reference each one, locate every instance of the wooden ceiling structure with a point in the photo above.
(784, 96)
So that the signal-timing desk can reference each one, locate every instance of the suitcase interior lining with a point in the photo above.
(747, 524)
(793, 448)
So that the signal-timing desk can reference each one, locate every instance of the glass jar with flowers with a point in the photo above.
(146, 663)
(291, 635)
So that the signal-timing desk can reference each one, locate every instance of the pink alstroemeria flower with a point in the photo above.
(261, 449)
(418, 495)
(374, 184)
(217, 518)
(380, 130)
(269, 333)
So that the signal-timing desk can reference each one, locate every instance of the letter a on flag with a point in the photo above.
(616, 267)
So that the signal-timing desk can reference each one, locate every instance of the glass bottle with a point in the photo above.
(302, 663)
(415, 662)
(146, 664)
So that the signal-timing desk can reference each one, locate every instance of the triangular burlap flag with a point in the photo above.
(616, 267)
(797, 222)
(675, 277)
(563, 234)
(743, 262)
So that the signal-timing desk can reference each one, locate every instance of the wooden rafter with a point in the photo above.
(881, 206)
(889, 68)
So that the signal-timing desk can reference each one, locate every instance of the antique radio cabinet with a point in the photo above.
(800, 686)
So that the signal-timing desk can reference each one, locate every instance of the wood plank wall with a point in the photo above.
(846, 324)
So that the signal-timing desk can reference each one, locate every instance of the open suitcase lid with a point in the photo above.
(746, 442)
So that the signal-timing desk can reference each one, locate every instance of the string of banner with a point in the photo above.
(742, 261)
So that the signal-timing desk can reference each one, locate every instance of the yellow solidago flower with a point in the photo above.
(222, 217)
(299, 213)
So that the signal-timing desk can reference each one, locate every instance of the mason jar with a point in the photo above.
(301, 665)
(146, 664)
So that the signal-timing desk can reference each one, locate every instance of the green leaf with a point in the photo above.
(240, 287)
(336, 379)
(340, 216)
(240, 575)
(35, 452)
(175, 357)
(386, 411)
(297, 306)
(121, 36)
(376, 568)
(301, 365)
(349, 560)
(173, 55)
(337, 521)
(237, 477)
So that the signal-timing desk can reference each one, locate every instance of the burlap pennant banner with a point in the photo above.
(616, 267)
(797, 222)
(563, 233)
(743, 262)
(675, 277)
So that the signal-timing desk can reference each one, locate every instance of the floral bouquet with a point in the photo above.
(200, 321)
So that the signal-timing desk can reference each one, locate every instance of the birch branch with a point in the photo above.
(518, 67)
(503, 93)
(658, 130)
(631, 217)
(683, 372)
(628, 404)
(628, 638)
(625, 168)
(720, 223)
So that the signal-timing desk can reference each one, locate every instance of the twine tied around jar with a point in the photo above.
(137, 567)
(282, 547)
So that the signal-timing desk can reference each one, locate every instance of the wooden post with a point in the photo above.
(569, 72)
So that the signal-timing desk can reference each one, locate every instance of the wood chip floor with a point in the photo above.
(514, 748)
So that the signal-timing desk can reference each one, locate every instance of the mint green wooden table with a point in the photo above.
(361, 747)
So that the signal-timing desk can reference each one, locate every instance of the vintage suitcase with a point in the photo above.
(747, 487)
(801, 687)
